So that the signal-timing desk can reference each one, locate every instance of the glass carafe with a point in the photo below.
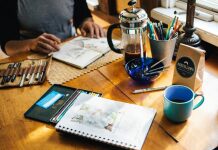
(133, 24)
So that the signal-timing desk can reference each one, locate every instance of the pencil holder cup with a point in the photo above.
(163, 49)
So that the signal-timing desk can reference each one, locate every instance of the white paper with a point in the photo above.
(125, 123)
(82, 51)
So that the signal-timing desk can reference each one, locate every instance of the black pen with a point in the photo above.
(161, 31)
(161, 27)
(42, 76)
(12, 70)
(157, 31)
(6, 73)
(15, 72)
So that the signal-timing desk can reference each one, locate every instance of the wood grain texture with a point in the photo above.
(17, 132)
(201, 127)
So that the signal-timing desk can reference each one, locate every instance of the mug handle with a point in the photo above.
(109, 37)
(199, 103)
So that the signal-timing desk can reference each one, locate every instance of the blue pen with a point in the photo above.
(152, 36)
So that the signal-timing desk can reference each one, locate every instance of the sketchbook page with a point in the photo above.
(100, 45)
(119, 123)
(76, 55)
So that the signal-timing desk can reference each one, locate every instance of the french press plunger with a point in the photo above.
(133, 24)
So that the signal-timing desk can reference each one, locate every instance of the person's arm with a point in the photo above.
(81, 12)
(83, 20)
(10, 37)
(45, 43)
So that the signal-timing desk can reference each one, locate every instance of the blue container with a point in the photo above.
(142, 72)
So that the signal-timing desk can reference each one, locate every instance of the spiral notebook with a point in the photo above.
(117, 123)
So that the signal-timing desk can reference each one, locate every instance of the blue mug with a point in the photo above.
(178, 102)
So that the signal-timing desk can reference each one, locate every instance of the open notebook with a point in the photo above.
(117, 123)
(82, 51)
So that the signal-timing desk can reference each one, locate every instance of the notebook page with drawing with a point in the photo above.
(117, 123)
(82, 51)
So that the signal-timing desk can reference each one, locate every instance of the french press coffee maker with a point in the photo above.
(133, 24)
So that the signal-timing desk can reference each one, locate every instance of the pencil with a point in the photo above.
(169, 27)
(176, 24)
(176, 30)
(149, 89)
(155, 64)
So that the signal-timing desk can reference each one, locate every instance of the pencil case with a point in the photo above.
(24, 73)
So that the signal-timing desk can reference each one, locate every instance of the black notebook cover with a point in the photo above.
(38, 113)
(60, 106)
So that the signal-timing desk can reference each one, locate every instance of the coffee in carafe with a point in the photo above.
(132, 52)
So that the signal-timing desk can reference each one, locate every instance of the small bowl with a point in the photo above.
(144, 73)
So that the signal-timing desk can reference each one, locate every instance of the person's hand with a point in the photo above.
(45, 43)
(89, 28)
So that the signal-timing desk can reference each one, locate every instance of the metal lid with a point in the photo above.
(133, 16)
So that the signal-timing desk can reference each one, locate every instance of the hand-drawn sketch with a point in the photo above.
(97, 117)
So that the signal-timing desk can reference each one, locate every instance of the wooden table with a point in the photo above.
(200, 132)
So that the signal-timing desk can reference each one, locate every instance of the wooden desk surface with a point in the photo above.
(200, 132)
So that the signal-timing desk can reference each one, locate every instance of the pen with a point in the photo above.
(161, 27)
(20, 73)
(23, 77)
(151, 32)
(155, 33)
(8, 76)
(15, 72)
(149, 89)
(160, 31)
(6, 73)
(33, 74)
(29, 72)
(13, 68)
(42, 76)
(39, 70)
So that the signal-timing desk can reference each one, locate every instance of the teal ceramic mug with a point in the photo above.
(178, 102)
